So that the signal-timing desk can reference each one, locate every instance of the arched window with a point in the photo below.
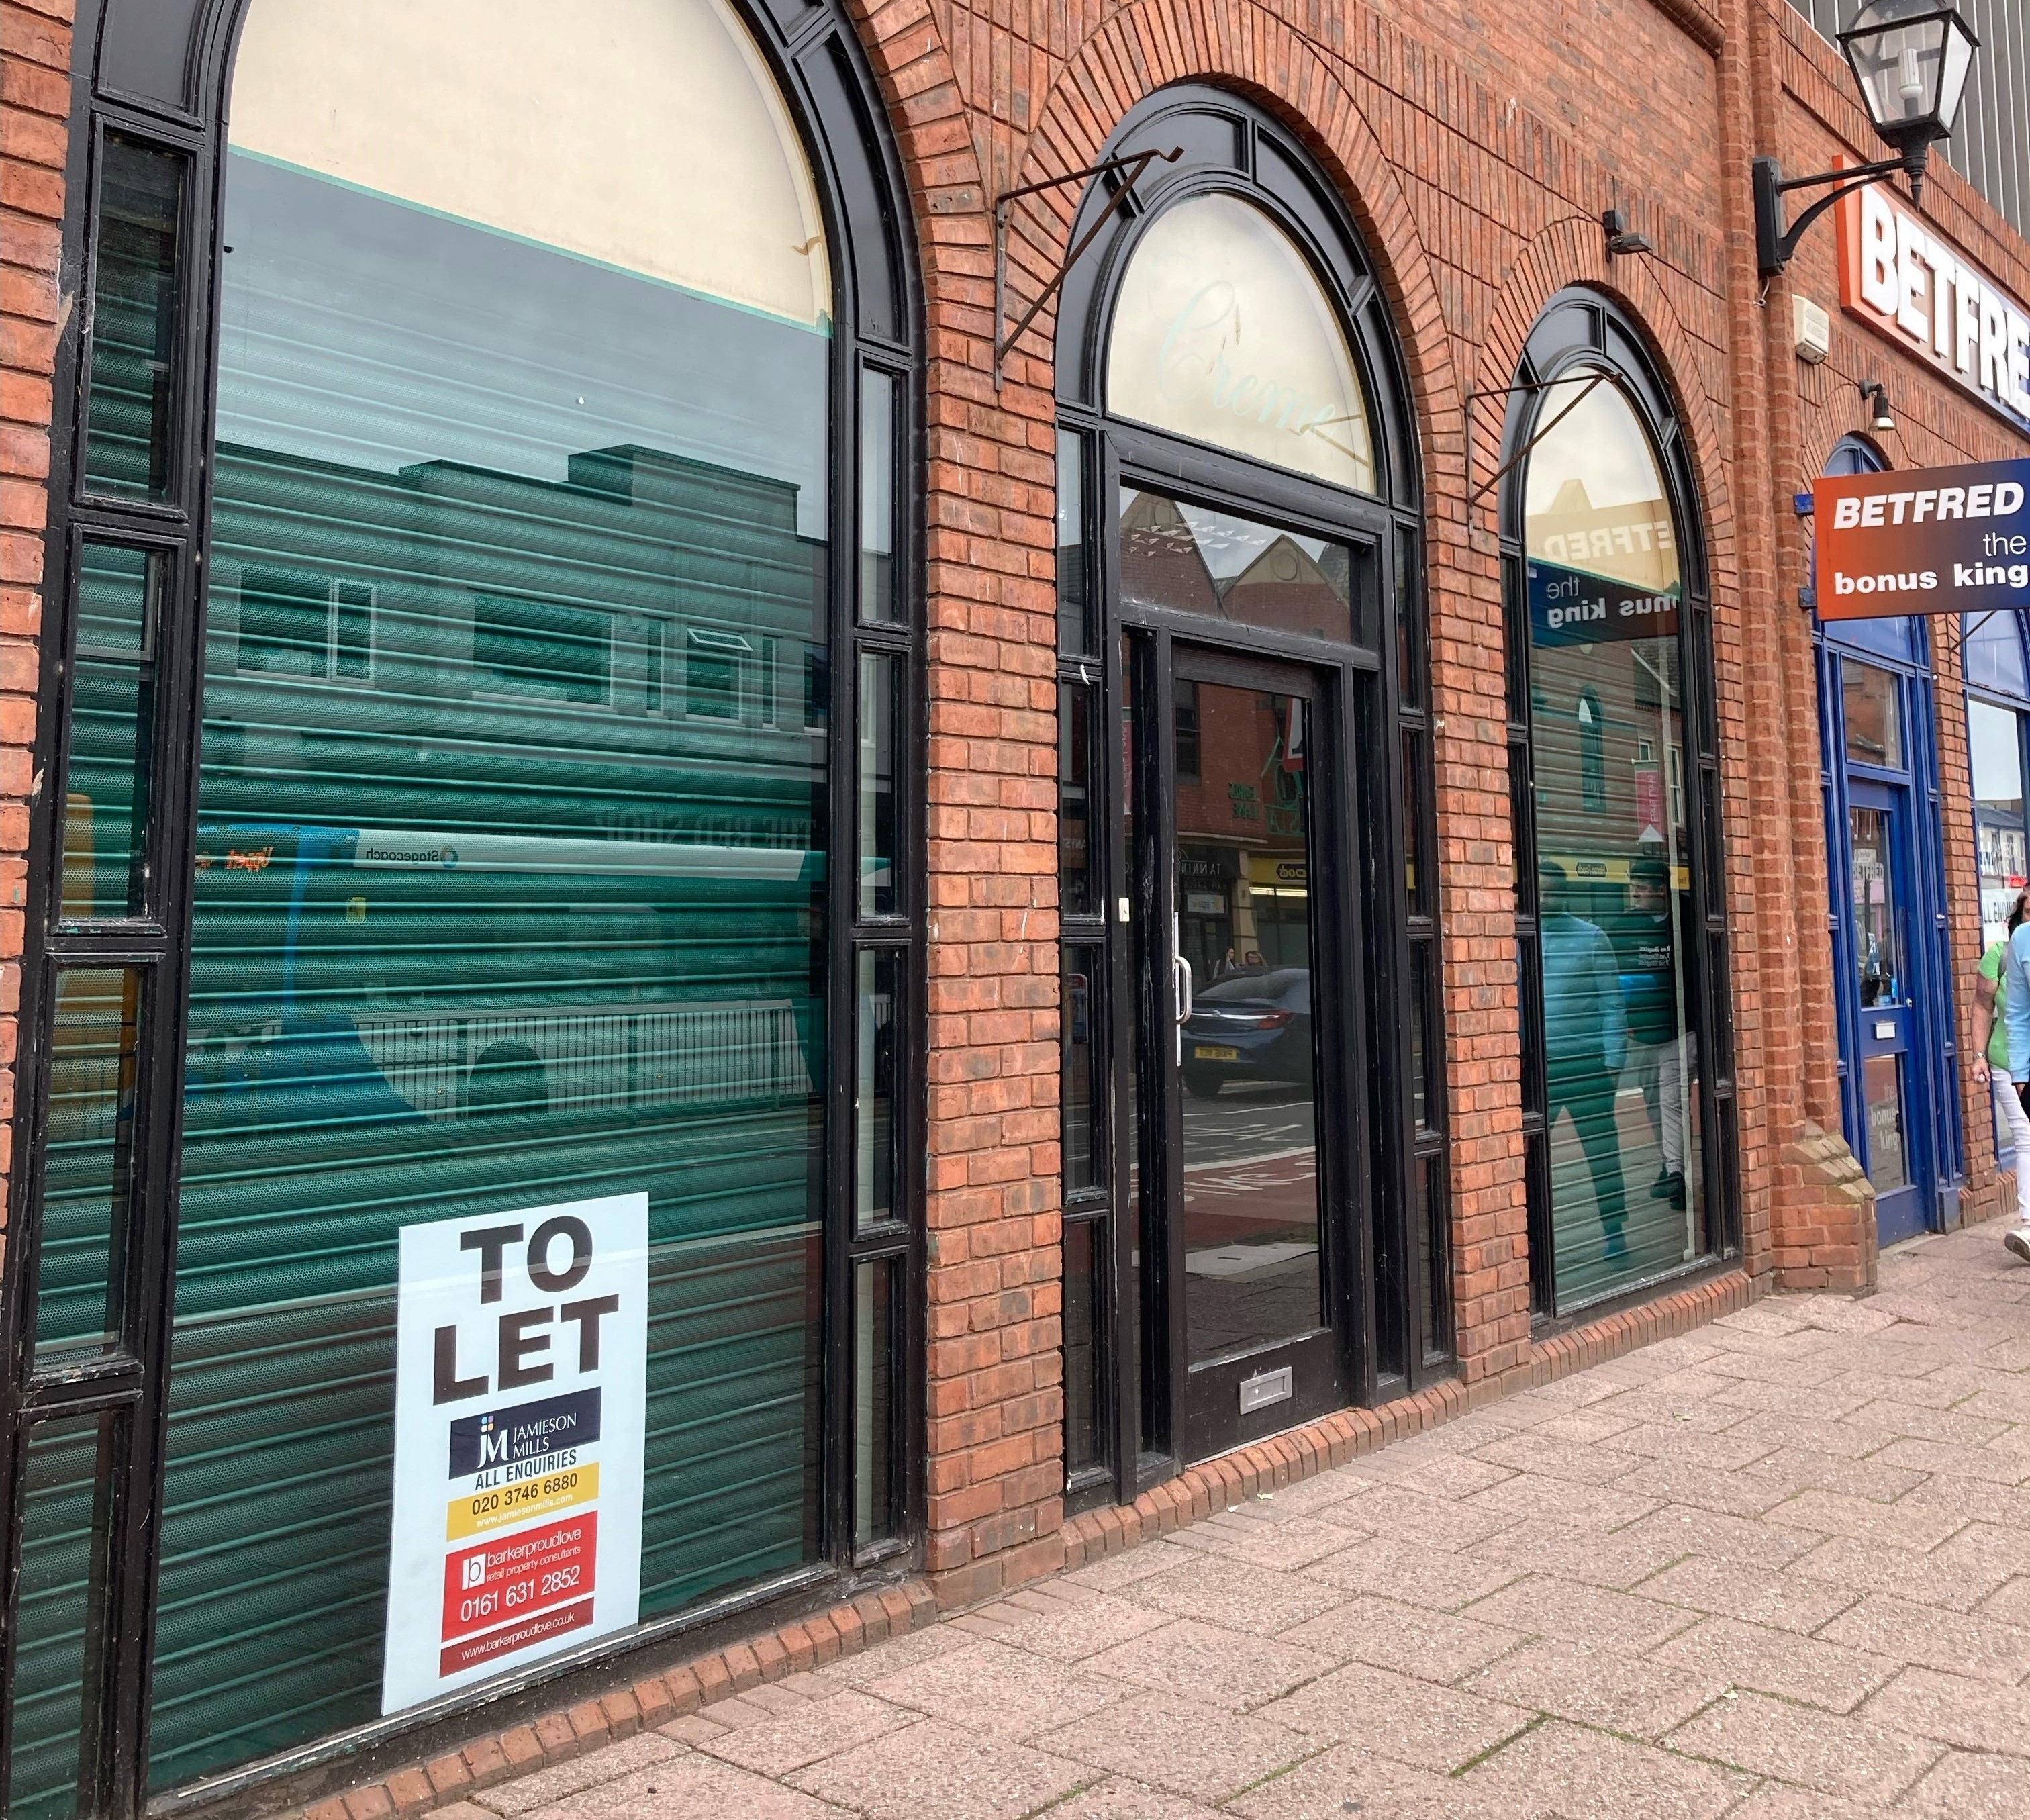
(1614, 777)
(1223, 332)
(486, 837)
(1250, 915)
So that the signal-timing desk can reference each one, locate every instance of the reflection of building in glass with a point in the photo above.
(652, 625)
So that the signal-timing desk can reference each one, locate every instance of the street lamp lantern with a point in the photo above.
(1910, 59)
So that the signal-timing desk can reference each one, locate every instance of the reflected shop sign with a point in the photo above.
(1575, 607)
(1940, 540)
(520, 1406)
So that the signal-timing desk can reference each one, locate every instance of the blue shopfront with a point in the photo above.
(1892, 969)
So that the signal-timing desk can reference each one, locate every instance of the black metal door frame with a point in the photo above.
(1323, 1362)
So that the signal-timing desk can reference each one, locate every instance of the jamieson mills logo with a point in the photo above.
(528, 1431)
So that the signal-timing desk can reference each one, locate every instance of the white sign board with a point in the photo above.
(521, 1352)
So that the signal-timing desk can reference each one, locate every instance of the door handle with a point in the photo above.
(1184, 979)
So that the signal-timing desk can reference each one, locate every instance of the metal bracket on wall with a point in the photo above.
(1134, 163)
(1521, 455)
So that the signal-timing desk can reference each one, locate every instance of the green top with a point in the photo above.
(1998, 1036)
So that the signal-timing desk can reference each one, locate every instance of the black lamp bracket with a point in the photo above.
(1132, 163)
(1774, 243)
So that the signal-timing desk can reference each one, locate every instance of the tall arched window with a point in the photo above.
(486, 836)
(1615, 789)
(1249, 914)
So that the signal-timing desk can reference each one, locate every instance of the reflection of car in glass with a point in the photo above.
(1251, 1026)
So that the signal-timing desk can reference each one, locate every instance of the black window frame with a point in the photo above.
(1582, 331)
(159, 76)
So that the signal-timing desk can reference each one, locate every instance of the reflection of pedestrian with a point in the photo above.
(1650, 959)
(1586, 1042)
(2010, 995)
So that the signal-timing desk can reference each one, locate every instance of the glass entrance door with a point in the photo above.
(1239, 1049)
(1881, 1051)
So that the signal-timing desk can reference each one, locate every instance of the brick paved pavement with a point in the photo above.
(1773, 1570)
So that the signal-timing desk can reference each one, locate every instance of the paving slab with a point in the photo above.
(1579, 1773)
(1183, 1746)
(1430, 1727)
(1643, 1698)
(1821, 1750)
(1809, 1670)
(933, 1771)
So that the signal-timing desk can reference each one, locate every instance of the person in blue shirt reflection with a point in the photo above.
(2016, 1021)
(1586, 1042)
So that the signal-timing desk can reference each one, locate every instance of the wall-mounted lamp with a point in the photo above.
(1910, 59)
(1876, 392)
(1620, 242)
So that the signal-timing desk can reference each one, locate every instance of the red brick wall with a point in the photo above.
(35, 107)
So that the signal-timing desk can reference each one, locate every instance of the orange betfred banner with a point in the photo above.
(1923, 295)
(1938, 540)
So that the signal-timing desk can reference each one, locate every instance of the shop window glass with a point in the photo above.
(880, 761)
(874, 1100)
(1074, 635)
(506, 895)
(877, 496)
(1994, 742)
(1992, 656)
(1078, 1078)
(1877, 907)
(108, 785)
(128, 420)
(1874, 715)
(1083, 1353)
(88, 1156)
(1076, 888)
(1436, 1288)
(876, 1332)
(1223, 332)
(57, 1649)
(1415, 823)
(1189, 559)
(1615, 930)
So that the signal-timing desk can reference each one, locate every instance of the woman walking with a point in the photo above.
(2002, 1049)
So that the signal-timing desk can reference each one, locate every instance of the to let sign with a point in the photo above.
(520, 1402)
(1939, 540)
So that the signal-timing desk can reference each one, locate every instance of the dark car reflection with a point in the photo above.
(1249, 1026)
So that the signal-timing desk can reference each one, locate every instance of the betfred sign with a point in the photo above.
(1924, 294)
(520, 1411)
(1938, 540)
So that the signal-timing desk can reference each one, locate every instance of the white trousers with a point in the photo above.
(2011, 1117)
(1674, 1062)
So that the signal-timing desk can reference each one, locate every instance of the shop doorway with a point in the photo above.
(1247, 987)
(1878, 823)
(1893, 989)
(1256, 1228)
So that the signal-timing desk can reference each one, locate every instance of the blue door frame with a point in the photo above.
(1897, 1047)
